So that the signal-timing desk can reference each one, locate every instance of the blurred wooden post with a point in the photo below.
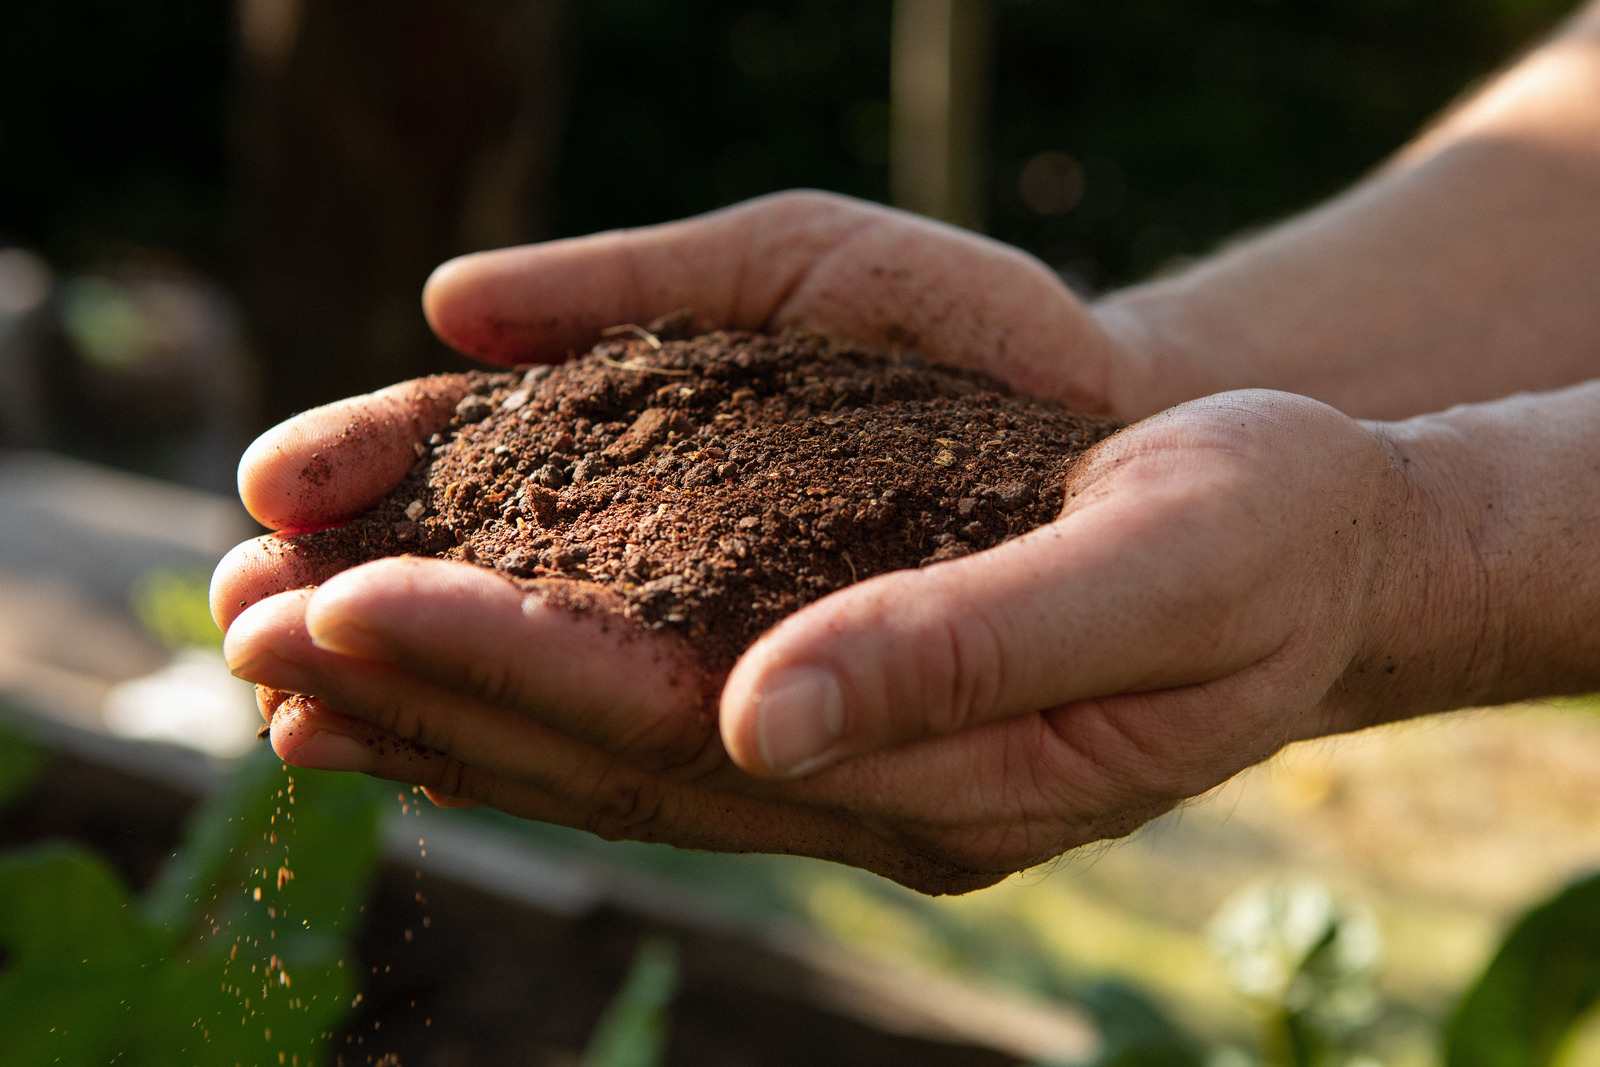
(939, 74)
(378, 138)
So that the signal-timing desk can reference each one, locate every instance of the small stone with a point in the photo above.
(667, 585)
(587, 470)
(945, 457)
(703, 475)
(550, 476)
(648, 430)
(953, 550)
(538, 503)
(473, 408)
(519, 561)
(415, 510)
(1014, 495)
(563, 556)
(516, 400)
(673, 326)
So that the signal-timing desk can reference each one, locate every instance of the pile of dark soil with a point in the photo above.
(720, 483)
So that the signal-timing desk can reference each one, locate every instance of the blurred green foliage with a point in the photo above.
(21, 761)
(1306, 959)
(1309, 962)
(174, 605)
(1541, 983)
(632, 1031)
(1134, 1032)
(240, 951)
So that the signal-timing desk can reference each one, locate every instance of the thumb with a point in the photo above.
(1113, 598)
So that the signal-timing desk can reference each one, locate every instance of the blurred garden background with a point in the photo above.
(213, 215)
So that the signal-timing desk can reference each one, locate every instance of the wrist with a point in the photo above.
(1425, 646)
(1490, 588)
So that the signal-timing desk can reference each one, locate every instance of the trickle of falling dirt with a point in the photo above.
(718, 484)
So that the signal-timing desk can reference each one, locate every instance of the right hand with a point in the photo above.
(1226, 577)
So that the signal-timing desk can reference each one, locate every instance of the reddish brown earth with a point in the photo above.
(719, 483)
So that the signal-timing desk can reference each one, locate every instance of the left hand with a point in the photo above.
(1226, 577)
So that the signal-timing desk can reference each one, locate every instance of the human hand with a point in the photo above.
(853, 270)
(1201, 602)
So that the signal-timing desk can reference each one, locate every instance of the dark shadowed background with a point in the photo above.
(315, 160)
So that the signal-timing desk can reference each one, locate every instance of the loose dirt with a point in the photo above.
(719, 483)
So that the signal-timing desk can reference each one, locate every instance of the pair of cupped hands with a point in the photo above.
(1221, 581)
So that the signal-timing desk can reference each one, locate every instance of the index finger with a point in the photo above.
(334, 462)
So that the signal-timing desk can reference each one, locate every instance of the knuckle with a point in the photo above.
(678, 750)
(450, 778)
(805, 199)
(626, 805)
(1099, 762)
(490, 680)
(407, 718)
(974, 656)
(463, 781)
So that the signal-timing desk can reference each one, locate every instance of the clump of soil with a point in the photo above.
(719, 483)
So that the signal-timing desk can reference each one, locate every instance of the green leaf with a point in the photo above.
(632, 1031)
(1135, 1032)
(321, 827)
(21, 762)
(213, 1008)
(1540, 984)
(263, 900)
(75, 958)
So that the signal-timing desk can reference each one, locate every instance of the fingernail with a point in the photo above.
(271, 669)
(799, 717)
(324, 751)
(348, 639)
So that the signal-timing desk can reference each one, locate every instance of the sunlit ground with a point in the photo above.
(1444, 828)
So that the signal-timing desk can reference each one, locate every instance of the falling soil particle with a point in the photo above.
(718, 484)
